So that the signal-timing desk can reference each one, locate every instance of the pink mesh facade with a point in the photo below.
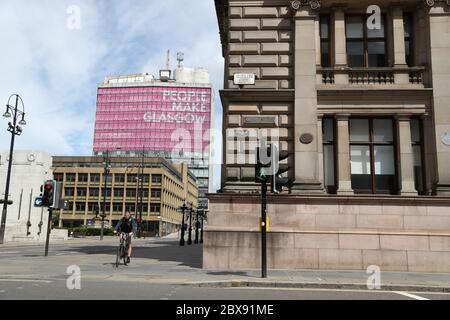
(152, 117)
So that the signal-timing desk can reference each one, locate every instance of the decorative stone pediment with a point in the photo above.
(297, 4)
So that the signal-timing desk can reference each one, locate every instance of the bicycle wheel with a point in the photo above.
(119, 255)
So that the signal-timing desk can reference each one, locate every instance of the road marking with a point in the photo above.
(9, 252)
(25, 280)
(409, 295)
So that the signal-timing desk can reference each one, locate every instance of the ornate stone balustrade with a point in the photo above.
(371, 76)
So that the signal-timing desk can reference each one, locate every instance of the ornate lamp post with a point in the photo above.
(107, 167)
(182, 209)
(16, 130)
(191, 210)
(197, 226)
(203, 216)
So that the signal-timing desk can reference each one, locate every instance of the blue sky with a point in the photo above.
(56, 70)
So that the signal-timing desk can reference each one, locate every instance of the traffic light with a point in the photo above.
(2, 201)
(262, 167)
(48, 193)
(278, 182)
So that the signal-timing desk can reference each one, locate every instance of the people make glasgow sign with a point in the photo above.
(184, 107)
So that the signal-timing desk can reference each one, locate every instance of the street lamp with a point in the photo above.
(191, 210)
(203, 216)
(197, 225)
(15, 130)
(182, 209)
(107, 168)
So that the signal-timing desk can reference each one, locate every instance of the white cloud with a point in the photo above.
(56, 70)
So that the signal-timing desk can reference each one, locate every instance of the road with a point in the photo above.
(160, 270)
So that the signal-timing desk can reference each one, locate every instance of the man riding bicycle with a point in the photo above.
(126, 225)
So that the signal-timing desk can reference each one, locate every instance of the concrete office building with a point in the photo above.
(24, 222)
(364, 111)
(170, 117)
(165, 187)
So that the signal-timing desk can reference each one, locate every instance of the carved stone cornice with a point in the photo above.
(432, 3)
(297, 4)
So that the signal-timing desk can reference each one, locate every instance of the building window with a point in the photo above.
(328, 127)
(130, 207)
(70, 177)
(416, 139)
(81, 192)
(408, 26)
(118, 193)
(132, 178)
(59, 177)
(80, 206)
(131, 193)
(155, 208)
(93, 207)
(156, 193)
(82, 177)
(94, 192)
(69, 192)
(108, 192)
(365, 47)
(119, 178)
(95, 177)
(372, 152)
(156, 178)
(117, 207)
(325, 40)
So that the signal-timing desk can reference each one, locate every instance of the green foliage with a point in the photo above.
(90, 232)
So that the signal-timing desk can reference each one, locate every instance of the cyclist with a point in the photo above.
(126, 225)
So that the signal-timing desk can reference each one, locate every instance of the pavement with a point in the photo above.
(160, 266)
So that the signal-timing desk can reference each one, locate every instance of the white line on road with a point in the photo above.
(25, 280)
(9, 252)
(409, 295)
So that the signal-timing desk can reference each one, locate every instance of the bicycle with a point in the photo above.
(122, 250)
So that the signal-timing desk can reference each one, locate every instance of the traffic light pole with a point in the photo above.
(49, 225)
(264, 230)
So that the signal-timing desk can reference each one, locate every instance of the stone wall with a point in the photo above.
(397, 234)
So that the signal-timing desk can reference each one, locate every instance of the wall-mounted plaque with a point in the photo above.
(306, 138)
(244, 79)
(260, 120)
(445, 138)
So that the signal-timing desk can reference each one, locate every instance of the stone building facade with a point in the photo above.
(357, 93)
(24, 222)
(165, 187)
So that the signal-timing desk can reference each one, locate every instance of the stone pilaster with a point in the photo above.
(399, 46)
(340, 45)
(343, 152)
(307, 169)
(407, 187)
(440, 52)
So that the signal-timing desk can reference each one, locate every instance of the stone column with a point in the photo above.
(343, 151)
(305, 121)
(318, 49)
(400, 77)
(440, 53)
(406, 156)
(340, 46)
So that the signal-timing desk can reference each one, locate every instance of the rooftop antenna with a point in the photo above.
(180, 59)
(168, 60)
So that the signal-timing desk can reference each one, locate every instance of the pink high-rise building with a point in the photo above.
(165, 118)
